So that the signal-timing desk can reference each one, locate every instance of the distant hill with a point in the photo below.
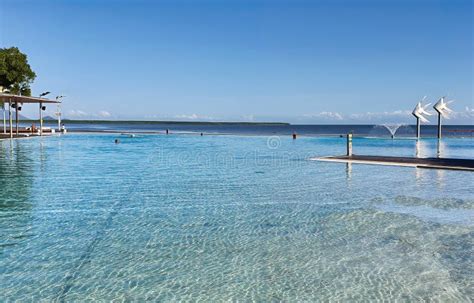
(24, 118)
(20, 116)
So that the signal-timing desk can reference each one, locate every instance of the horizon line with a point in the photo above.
(227, 122)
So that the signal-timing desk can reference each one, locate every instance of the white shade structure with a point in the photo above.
(441, 107)
(16, 101)
(419, 112)
(2, 104)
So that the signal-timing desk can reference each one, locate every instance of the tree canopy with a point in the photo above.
(16, 74)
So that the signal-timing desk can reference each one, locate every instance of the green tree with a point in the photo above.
(15, 72)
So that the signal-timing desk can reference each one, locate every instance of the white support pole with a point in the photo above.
(349, 145)
(439, 125)
(16, 117)
(41, 118)
(418, 128)
(4, 119)
(10, 117)
(59, 118)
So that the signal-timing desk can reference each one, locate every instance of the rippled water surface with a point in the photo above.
(219, 218)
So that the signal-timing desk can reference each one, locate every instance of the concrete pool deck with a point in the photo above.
(435, 163)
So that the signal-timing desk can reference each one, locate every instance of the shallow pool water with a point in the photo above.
(217, 218)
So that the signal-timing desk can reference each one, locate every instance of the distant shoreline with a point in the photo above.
(158, 122)
(67, 121)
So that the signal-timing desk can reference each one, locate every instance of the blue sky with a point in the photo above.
(298, 61)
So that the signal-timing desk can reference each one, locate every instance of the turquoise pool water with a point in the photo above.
(220, 218)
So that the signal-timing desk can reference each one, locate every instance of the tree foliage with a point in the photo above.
(15, 72)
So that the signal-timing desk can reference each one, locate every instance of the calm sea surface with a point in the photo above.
(402, 130)
(218, 218)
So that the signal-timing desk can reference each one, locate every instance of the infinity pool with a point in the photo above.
(220, 218)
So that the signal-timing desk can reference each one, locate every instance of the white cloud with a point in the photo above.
(467, 114)
(396, 116)
(193, 117)
(76, 113)
(187, 117)
(380, 116)
(331, 115)
(324, 116)
(249, 118)
(104, 114)
(79, 114)
(463, 116)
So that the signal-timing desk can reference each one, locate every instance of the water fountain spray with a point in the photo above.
(392, 128)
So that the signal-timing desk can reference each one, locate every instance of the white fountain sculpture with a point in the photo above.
(419, 112)
(443, 110)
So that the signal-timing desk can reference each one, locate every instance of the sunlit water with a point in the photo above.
(219, 218)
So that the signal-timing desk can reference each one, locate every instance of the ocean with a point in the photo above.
(402, 130)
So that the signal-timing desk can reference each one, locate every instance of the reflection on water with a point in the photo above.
(430, 177)
(349, 170)
(426, 147)
(440, 149)
(16, 177)
(440, 178)
(16, 169)
(422, 149)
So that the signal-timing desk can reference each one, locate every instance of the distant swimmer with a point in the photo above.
(202, 134)
(294, 136)
(167, 131)
(117, 141)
